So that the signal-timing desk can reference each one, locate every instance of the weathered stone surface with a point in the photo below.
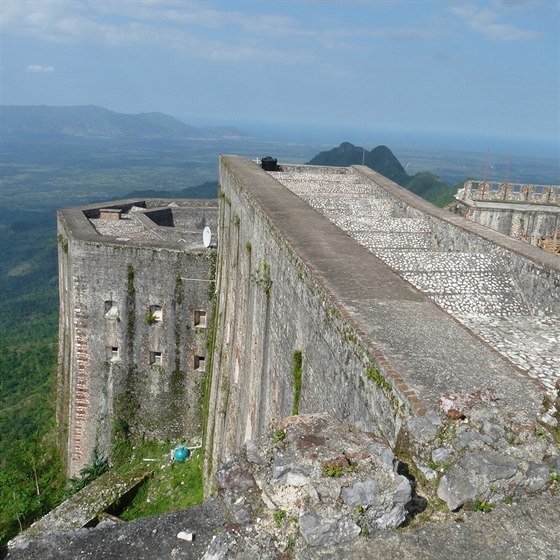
(233, 477)
(263, 515)
(509, 532)
(246, 545)
(145, 539)
(527, 530)
(253, 453)
(478, 471)
(361, 493)
(441, 455)
(456, 405)
(324, 479)
(117, 362)
(455, 489)
(424, 429)
(537, 476)
(319, 531)
(84, 508)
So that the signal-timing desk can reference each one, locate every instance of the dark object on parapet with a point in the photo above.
(270, 164)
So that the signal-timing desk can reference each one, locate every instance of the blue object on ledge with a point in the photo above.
(181, 453)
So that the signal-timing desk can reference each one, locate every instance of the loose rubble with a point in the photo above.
(479, 453)
(320, 484)
(318, 479)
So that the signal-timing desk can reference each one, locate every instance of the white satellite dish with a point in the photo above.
(207, 236)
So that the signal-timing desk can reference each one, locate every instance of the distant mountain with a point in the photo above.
(381, 159)
(89, 121)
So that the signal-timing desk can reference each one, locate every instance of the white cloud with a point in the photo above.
(195, 29)
(487, 22)
(38, 69)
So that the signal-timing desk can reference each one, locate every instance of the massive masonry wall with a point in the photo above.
(132, 337)
(270, 307)
(374, 349)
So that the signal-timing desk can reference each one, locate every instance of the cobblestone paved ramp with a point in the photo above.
(479, 289)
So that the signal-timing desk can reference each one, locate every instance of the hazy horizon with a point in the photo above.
(449, 72)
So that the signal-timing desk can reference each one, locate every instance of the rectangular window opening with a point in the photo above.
(156, 313)
(200, 363)
(156, 359)
(200, 318)
(112, 353)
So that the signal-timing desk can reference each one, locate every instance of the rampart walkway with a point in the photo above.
(476, 288)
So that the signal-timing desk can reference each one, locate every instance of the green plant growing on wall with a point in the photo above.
(210, 344)
(179, 290)
(296, 376)
(446, 433)
(61, 240)
(151, 319)
(130, 289)
(332, 470)
(126, 408)
(213, 256)
(375, 375)
(130, 304)
(262, 277)
(279, 515)
(279, 435)
(94, 469)
(482, 505)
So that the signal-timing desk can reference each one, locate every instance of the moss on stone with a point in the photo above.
(296, 376)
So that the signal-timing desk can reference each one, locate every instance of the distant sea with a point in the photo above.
(452, 156)
(404, 138)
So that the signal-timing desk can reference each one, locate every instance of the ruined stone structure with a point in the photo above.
(530, 213)
(135, 289)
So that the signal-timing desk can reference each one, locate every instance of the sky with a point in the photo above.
(457, 67)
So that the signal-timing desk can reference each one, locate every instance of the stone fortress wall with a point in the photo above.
(341, 300)
(135, 296)
(337, 291)
(389, 302)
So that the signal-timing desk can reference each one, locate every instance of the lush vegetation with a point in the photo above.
(38, 175)
(381, 159)
(36, 178)
(30, 475)
(432, 188)
(171, 486)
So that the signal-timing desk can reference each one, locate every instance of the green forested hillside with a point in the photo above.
(30, 475)
(432, 188)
